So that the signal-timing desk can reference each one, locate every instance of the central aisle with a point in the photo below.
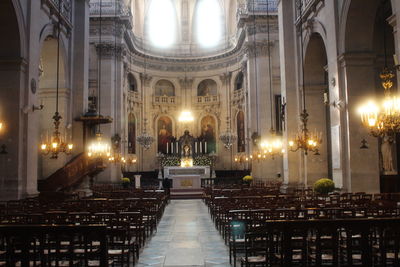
(185, 236)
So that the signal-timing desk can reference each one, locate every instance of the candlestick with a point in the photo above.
(167, 148)
(195, 147)
(177, 150)
(172, 148)
(205, 147)
(201, 147)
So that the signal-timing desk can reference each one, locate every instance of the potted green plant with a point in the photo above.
(247, 179)
(125, 182)
(324, 186)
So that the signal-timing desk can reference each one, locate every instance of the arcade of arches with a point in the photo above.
(249, 73)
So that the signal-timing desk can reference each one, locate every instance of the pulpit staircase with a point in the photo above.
(71, 174)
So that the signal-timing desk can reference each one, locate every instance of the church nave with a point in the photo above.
(185, 236)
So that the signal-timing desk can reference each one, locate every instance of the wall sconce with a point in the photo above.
(339, 104)
(27, 109)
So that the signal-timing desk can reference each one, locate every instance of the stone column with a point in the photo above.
(13, 165)
(80, 72)
(291, 161)
(362, 169)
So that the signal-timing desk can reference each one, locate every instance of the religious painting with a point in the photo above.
(240, 132)
(164, 88)
(131, 134)
(164, 130)
(207, 87)
(208, 133)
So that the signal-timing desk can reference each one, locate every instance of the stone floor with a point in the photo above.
(185, 236)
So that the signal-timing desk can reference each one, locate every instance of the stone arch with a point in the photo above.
(164, 87)
(207, 87)
(47, 88)
(316, 85)
(357, 15)
(361, 60)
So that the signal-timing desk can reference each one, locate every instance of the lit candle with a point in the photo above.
(167, 148)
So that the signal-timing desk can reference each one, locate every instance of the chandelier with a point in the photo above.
(228, 137)
(145, 140)
(304, 139)
(57, 144)
(383, 120)
(99, 148)
(272, 148)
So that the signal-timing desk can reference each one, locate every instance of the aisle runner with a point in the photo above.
(185, 236)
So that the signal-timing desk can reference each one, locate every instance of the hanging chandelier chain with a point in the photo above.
(255, 64)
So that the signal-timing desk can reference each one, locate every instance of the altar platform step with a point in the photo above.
(186, 193)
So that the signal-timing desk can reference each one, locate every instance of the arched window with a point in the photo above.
(132, 83)
(208, 22)
(207, 87)
(164, 88)
(131, 134)
(162, 23)
(239, 81)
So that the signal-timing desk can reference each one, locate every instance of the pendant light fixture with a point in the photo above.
(57, 143)
(99, 148)
(273, 146)
(144, 139)
(304, 139)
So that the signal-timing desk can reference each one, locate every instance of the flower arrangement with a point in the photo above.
(324, 186)
(202, 161)
(171, 161)
(247, 179)
(125, 180)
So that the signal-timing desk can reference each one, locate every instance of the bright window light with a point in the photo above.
(209, 22)
(162, 23)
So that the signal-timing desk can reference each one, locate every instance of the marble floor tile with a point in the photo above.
(185, 237)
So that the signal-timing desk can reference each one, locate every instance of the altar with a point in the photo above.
(186, 177)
